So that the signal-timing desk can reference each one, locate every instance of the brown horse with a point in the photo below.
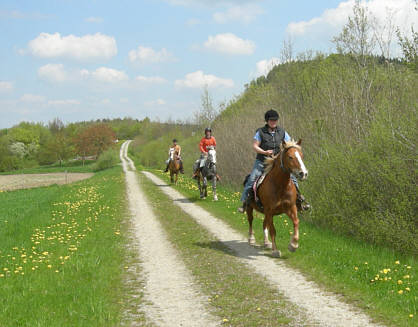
(174, 166)
(277, 194)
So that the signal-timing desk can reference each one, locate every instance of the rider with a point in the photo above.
(174, 148)
(207, 141)
(267, 142)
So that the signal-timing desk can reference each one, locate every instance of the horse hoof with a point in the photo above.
(292, 248)
(268, 245)
(215, 198)
(251, 240)
(276, 254)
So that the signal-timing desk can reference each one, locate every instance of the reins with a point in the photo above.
(286, 170)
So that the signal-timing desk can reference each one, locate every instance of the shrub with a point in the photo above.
(106, 160)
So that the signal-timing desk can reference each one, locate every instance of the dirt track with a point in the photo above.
(15, 182)
(173, 296)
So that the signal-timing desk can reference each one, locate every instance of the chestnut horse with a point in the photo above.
(174, 166)
(277, 193)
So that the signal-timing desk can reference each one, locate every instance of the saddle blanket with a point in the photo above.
(256, 185)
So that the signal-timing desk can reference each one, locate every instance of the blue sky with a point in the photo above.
(81, 60)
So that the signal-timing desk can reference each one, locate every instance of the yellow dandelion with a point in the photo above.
(356, 268)
(49, 266)
(397, 262)
(400, 292)
(225, 320)
(411, 316)
(406, 277)
(400, 282)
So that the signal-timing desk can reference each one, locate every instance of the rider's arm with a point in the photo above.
(256, 147)
(287, 137)
(179, 150)
(202, 146)
(214, 141)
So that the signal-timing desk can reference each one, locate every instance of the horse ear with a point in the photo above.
(284, 143)
(299, 142)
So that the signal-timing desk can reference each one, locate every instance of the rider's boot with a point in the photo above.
(243, 207)
(166, 168)
(301, 203)
(181, 167)
(196, 173)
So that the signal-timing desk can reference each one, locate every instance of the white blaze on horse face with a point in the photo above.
(212, 155)
(302, 165)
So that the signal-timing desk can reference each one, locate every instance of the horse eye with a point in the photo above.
(291, 158)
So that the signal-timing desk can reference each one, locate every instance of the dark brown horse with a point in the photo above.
(174, 166)
(277, 194)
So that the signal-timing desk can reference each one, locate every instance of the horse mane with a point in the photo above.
(269, 161)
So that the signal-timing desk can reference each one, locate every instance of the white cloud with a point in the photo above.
(123, 100)
(57, 73)
(230, 44)
(192, 22)
(32, 98)
(108, 75)
(333, 19)
(94, 20)
(158, 102)
(263, 67)
(6, 87)
(199, 80)
(87, 47)
(149, 55)
(244, 14)
(66, 102)
(53, 73)
(150, 79)
(105, 101)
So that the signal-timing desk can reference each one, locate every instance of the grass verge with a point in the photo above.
(70, 167)
(63, 255)
(377, 280)
(238, 296)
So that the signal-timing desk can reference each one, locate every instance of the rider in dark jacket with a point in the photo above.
(266, 142)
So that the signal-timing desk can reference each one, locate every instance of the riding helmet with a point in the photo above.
(174, 140)
(271, 114)
(208, 129)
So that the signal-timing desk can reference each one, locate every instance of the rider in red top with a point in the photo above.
(205, 142)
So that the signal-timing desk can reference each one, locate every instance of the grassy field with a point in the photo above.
(238, 296)
(378, 280)
(64, 259)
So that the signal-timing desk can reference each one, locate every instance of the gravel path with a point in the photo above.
(174, 300)
(325, 309)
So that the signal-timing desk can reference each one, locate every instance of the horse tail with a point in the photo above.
(246, 179)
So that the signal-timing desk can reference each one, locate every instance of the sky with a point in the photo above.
(90, 59)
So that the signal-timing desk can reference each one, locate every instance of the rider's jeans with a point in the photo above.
(257, 171)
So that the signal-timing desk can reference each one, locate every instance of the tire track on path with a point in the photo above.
(175, 301)
(324, 308)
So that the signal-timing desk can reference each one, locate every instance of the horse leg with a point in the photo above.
(250, 217)
(200, 187)
(175, 181)
(171, 176)
(269, 217)
(215, 197)
(205, 186)
(267, 243)
(293, 214)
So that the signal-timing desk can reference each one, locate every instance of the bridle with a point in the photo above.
(286, 170)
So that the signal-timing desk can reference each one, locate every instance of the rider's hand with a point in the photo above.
(269, 152)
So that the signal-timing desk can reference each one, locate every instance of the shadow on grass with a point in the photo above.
(238, 249)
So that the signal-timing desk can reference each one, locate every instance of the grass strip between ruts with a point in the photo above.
(378, 280)
(239, 296)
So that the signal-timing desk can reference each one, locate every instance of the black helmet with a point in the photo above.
(271, 114)
(174, 140)
(208, 129)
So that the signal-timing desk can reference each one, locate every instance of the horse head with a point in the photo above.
(212, 155)
(291, 159)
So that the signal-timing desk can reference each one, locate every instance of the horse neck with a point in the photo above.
(278, 173)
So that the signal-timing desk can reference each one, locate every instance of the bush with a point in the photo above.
(106, 160)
